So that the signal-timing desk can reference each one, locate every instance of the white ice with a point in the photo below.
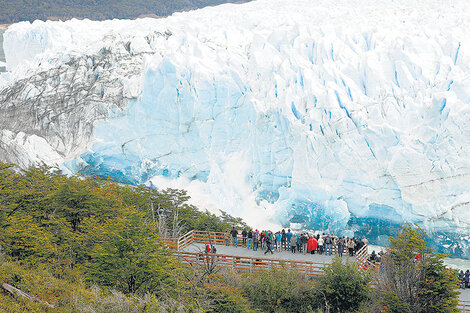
(329, 109)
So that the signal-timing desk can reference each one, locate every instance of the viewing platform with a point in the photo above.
(190, 249)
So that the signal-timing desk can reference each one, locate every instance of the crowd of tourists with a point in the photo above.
(303, 242)
(464, 279)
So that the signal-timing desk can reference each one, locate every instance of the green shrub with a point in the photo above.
(344, 286)
(281, 290)
(225, 298)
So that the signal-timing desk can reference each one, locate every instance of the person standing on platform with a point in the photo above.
(268, 245)
(350, 244)
(327, 244)
(320, 244)
(303, 241)
(293, 243)
(312, 245)
(288, 238)
(466, 278)
(278, 242)
(340, 246)
(250, 239)
(283, 239)
(299, 244)
(234, 234)
(244, 234)
(255, 240)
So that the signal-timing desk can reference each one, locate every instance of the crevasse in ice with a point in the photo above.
(348, 116)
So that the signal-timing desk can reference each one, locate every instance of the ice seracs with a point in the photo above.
(351, 116)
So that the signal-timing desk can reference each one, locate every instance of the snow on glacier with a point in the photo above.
(351, 116)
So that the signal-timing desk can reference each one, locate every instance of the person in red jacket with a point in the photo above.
(208, 248)
(312, 245)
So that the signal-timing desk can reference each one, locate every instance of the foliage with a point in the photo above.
(407, 284)
(106, 231)
(344, 286)
(61, 237)
(281, 290)
(227, 298)
(72, 296)
(130, 257)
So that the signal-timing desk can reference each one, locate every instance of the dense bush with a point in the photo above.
(281, 290)
(226, 298)
(73, 296)
(344, 286)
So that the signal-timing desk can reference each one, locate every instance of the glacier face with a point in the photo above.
(351, 116)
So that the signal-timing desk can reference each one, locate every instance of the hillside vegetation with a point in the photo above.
(30, 10)
(76, 244)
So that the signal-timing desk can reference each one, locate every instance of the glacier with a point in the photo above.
(348, 116)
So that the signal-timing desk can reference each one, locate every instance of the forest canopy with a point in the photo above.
(30, 10)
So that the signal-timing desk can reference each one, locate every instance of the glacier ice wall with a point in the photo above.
(351, 116)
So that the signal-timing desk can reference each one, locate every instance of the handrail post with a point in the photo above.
(251, 265)
(233, 263)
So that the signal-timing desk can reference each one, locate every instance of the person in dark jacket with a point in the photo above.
(359, 244)
(327, 244)
(466, 278)
(283, 239)
(461, 277)
(255, 240)
(373, 257)
(234, 234)
(340, 246)
(244, 234)
(268, 245)
(250, 239)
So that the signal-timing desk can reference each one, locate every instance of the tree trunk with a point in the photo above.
(18, 293)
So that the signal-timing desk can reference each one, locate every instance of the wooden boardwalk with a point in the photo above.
(189, 250)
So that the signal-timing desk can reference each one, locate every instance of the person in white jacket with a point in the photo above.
(320, 244)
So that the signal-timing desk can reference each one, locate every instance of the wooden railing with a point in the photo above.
(254, 264)
(172, 243)
(464, 306)
(220, 238)
(185, 240)
(362, 261)
(212, 237)
(241, 263)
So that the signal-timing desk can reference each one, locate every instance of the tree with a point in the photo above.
(411, 283)
(344, 286)
(25, 241)
(130, 257)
